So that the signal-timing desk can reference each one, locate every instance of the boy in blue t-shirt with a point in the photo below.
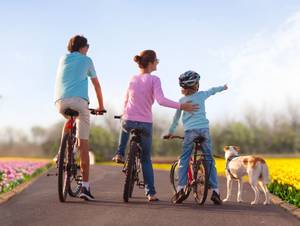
(195, 124)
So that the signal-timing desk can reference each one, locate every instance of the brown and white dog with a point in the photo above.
(238, 166)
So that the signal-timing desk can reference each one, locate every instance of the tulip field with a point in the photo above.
(14, 171)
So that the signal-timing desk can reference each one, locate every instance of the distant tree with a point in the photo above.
(38, 134)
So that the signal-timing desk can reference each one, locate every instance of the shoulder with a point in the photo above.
(87, 59)
(64, 57)
(154, 78)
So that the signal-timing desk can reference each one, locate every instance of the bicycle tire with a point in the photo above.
(75, 190)
(200, 186)
(62, 168)
(174, 179)
(130, 172)
(173, 176)
(132, 184)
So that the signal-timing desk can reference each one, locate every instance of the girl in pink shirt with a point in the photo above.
(143, 89)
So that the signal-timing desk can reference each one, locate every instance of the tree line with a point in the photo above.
(255, 134)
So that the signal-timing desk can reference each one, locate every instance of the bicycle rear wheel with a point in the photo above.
(75, 180)
(63, 179)
(130, 172)
(200, 186)
(132, 184)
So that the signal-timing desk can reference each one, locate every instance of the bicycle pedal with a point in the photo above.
(78, 179)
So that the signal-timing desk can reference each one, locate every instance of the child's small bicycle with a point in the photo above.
(197, 173)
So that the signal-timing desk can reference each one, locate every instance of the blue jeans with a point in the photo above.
(206, 146)
(146, 144)
(123, 139)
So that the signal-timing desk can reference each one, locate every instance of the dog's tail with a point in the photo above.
(265, 176)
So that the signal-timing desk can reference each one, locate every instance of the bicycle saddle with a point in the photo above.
(71, 112)
(199, 139)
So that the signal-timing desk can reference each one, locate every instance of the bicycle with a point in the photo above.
(69, 177)
(132, 165)
(197, 172)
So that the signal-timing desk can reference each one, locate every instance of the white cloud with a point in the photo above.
(266, 70)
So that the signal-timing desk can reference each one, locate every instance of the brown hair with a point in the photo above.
(77, 42)
(190, 90)
(144, 58)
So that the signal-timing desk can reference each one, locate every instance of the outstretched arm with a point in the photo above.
(214, 90)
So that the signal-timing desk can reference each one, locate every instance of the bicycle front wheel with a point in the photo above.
(174, 177)
(130, 172)
(200, 186)
(63, 179)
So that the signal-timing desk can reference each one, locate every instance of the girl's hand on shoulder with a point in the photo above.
(225, 87)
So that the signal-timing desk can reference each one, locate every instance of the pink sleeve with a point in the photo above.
(159, 95)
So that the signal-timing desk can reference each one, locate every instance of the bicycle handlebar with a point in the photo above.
(97, 112)
(166, 137)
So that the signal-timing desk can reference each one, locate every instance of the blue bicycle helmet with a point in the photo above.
(189, 79)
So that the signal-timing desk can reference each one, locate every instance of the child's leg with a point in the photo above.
(123, 139)
(210, 162)
(187, 149)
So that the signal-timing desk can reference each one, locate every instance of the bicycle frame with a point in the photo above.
(137, 139)
(192, 160)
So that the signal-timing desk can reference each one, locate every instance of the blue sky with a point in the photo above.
(251, 45)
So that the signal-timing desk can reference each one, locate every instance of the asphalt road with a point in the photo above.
(39, 205)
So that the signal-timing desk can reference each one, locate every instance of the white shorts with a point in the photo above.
(83, 120)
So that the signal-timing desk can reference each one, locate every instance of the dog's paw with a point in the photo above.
(225, 200)
(253, 203)
(240, 200)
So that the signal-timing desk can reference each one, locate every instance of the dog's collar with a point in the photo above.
(231, 158)
(227, 165)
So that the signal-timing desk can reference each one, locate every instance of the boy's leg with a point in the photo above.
(210, 162)
(187, 149)
(184, 161)
(84, 159)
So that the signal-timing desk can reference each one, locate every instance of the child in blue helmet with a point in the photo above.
(195, 124)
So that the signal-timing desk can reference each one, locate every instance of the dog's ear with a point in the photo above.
(226, 148)
(237, 148)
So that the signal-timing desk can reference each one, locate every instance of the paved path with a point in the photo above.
(39, 205)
